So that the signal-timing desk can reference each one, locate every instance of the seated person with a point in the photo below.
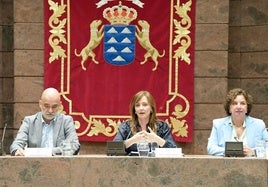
(47, 128)
(237, 126)
(143, 125)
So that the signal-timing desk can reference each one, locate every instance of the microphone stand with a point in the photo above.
(3, 153)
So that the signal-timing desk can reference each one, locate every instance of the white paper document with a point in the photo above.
(168, 152)
(38, 152)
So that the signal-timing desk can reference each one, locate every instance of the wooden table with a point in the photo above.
(105, 171)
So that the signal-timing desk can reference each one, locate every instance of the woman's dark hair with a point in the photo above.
(231, 97)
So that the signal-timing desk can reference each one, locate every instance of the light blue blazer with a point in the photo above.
(222, 132)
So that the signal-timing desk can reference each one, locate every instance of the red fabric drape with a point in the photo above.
(93, 55)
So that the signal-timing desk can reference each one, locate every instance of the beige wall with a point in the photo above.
(231, 51)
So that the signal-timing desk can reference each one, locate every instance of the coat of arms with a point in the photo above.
(119, 38)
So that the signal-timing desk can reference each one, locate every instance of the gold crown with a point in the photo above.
(120, 14)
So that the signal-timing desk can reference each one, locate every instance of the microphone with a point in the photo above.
(2, 152)
(128, 135)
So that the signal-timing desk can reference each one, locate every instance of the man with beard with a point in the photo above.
(47, 128)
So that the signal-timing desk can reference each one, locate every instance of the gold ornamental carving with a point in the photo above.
(182, 31)
(57, 31)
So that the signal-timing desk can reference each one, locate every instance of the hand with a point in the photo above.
(153, 137)
(248, 151)
(19, 152)
(139, 136)
(135, 139)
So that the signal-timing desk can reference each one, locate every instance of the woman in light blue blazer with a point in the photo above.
(237, 126)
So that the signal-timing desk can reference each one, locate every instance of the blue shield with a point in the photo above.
(119, 44)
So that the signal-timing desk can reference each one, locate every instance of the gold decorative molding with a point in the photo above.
(180, 127)
(182, 31)
(57, 30)
(99, 127)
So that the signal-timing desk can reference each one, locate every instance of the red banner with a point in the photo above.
(98, 54)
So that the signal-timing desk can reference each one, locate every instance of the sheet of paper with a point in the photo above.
(38, 152)
(168, 152)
